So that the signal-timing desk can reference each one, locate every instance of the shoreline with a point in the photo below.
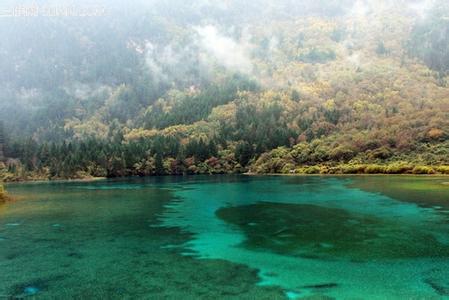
(90, 179)
(342, 174)
(93, 179)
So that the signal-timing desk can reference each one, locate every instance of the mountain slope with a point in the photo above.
(291, 87)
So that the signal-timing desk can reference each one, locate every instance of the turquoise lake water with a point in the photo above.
(227, 237)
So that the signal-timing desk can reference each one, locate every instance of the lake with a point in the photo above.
(231, 237)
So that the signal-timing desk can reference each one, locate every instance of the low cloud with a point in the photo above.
(360, 9)
(198, 56)
(231, 54)
(170, 62)
(421, 7)
(155, 61)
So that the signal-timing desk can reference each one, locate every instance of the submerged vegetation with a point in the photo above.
(292, 229)
(293, 88)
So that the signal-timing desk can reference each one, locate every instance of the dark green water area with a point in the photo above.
(227, 237)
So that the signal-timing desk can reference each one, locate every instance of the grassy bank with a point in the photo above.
(3, 195)
(33, 176)
(393, 168)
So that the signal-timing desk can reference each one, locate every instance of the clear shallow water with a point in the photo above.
(228, 237)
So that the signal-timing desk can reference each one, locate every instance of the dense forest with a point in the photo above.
(216, 87)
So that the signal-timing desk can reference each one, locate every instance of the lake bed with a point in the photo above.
(242, 237)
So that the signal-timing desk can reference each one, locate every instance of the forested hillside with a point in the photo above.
(225, 86)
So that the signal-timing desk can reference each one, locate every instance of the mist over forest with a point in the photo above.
(176, 87)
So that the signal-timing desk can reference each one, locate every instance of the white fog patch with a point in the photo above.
(28, 98)
(220, 4)
(170, 62)
(421, 7)
(363, 8)
(83, 91)
(78, 90)
(274, 44)
(355, 59)
(366, 8)
(205, 48)
(360, 9)
(153, 62)
(226, 51)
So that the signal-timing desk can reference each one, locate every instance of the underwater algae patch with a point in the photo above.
(315, 232)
